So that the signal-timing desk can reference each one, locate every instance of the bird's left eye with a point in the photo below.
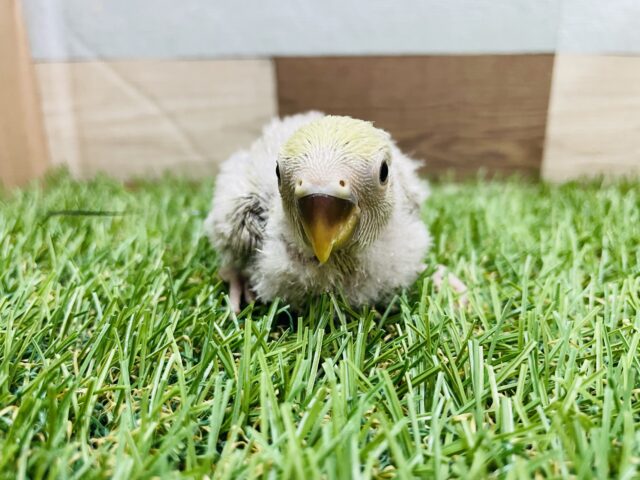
(278, 172)
(384, 173)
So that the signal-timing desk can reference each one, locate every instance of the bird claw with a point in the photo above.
(454, 282)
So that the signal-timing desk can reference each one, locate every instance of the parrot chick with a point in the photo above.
(319, 204)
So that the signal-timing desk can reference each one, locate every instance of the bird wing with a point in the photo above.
(238, 215)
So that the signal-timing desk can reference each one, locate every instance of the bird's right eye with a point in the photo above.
(278, 173)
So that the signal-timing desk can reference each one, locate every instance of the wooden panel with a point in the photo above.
(457, 112)
(140, 118)
(23, 153)
(58, 107)
(594, 117)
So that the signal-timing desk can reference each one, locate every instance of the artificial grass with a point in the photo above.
(119, 356)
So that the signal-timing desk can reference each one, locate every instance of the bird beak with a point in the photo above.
(328, 222)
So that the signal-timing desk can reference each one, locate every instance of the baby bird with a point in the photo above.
(319, 204)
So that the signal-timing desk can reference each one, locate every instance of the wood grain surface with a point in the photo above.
(141, 118)
(23, 152)
(457, 112)
(594, 117)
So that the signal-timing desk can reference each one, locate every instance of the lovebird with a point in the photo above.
(319, 203)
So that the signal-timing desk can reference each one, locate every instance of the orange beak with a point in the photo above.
(328, 222)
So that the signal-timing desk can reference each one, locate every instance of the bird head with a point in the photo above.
(335, 177)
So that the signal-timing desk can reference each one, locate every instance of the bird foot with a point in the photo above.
(454, 282)
(249, 295)
(239, 289)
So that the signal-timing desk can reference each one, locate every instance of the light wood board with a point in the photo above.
(594, 117)
(23, 152)
(138, 119)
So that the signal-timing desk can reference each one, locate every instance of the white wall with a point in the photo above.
(88, 29)
(600, 26)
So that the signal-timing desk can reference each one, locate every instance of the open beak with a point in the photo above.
(328, 222)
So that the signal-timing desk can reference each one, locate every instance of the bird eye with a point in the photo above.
(384, 173)
(278, 173)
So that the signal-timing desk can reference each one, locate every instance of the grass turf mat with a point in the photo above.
(119, 356)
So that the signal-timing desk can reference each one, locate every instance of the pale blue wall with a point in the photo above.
(600, 26)
(81, 29)
(205, 28)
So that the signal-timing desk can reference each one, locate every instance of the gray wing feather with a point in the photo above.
(240, 206)
(247, 222)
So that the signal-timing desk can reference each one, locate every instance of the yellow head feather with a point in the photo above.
(351, 136)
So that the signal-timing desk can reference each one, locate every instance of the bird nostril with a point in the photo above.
(342, 183)
(299, 183)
